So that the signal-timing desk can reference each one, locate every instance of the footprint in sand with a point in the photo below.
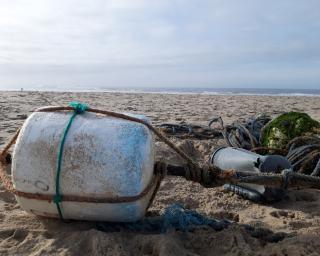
(19, 234)
(233, 216)
(282, 214)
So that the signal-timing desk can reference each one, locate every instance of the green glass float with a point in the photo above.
(278, 132)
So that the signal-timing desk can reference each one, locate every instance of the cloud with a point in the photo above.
(159, 43)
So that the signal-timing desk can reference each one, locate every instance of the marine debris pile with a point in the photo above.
(294, 135)
(289, 144)
(259, 178)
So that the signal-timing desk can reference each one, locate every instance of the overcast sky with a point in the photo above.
(162, 43)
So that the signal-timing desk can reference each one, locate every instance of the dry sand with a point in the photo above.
(297, 215)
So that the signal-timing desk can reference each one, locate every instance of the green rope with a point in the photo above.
(79, 108)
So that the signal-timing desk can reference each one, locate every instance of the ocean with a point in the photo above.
(180, 90)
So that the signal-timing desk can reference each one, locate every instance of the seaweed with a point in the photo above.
(287, 126)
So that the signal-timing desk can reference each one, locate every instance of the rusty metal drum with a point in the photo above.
(103, 157)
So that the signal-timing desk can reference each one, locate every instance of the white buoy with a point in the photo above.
(103, 157)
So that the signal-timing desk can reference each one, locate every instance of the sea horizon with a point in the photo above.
(178, 90)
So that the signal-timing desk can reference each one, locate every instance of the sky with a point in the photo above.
(160, 43)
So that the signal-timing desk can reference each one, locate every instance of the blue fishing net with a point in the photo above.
(175, 217)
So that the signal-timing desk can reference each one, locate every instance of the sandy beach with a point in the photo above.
(297, 216)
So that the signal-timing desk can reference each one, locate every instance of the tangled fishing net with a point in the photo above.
(175, 217)
(178, 218)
